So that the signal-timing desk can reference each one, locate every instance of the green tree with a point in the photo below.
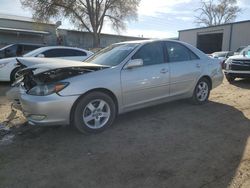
(89, 15)
(212, 13)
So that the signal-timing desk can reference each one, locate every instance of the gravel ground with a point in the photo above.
(175, 145)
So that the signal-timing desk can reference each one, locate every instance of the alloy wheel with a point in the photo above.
(96, 114)
(202, 91)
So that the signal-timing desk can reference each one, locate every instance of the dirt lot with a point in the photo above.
(174, 145)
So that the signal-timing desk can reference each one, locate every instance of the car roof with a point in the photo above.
(61, 47)
(148, 41)
(30, 44)
(221, 52)
(194, 49)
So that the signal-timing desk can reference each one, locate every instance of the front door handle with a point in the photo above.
(164, 71)
(198, 65)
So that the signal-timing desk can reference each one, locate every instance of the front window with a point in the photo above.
(112, 55)
(151, 54)
(11, 51)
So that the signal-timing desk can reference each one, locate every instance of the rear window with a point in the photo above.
(178, 52)
(63, 53)
(28, 48)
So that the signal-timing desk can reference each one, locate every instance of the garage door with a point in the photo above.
(209, 43)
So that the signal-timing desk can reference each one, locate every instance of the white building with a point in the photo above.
(225, 37)
(18, 29)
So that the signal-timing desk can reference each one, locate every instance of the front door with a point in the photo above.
(148, 82)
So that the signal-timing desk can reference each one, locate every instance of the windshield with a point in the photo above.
(33, 53)
(6, 47)
(112, 55)
(240, 49)
(246, 50)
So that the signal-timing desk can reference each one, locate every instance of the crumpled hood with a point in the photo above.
(40, 65)
(7, 60)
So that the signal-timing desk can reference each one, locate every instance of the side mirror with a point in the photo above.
(134, 63)
(244, 53)
(41, 55)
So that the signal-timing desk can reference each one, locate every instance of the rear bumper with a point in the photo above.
(47, 110)
(217, 80)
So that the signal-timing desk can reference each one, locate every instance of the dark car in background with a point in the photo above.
(16, 50)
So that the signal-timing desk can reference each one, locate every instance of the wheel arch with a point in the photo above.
(209, 79)
(13, 71)
(103, 90)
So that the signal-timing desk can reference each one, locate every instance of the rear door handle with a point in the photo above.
(164, 71)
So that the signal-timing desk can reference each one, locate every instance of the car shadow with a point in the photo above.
(242, 83)
(170, 145)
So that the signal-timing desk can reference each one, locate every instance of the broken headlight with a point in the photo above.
(47, 89)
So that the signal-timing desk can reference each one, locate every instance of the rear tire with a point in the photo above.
(201, 92)
(230, 79)
(94, 113)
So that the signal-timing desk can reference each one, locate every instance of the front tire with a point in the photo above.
(94, 113)
(230, 79)
(201, 92)
(14, 75)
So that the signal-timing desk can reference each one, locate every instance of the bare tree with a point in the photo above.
(86, 14)
(211, 13)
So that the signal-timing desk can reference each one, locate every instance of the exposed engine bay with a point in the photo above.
(30, 80)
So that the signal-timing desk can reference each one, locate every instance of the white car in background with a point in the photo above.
(9, 67)
(223, 56)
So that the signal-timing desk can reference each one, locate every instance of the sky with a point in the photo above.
(156, 18)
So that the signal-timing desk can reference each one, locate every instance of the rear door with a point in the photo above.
(148, 82)
(185, 68)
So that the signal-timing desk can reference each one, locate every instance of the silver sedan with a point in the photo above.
(120, 78)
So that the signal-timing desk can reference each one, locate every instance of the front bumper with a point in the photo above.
(47, 110)
(237, 74)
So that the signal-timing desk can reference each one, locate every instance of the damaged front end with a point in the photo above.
(30, 80)
(43, 80)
